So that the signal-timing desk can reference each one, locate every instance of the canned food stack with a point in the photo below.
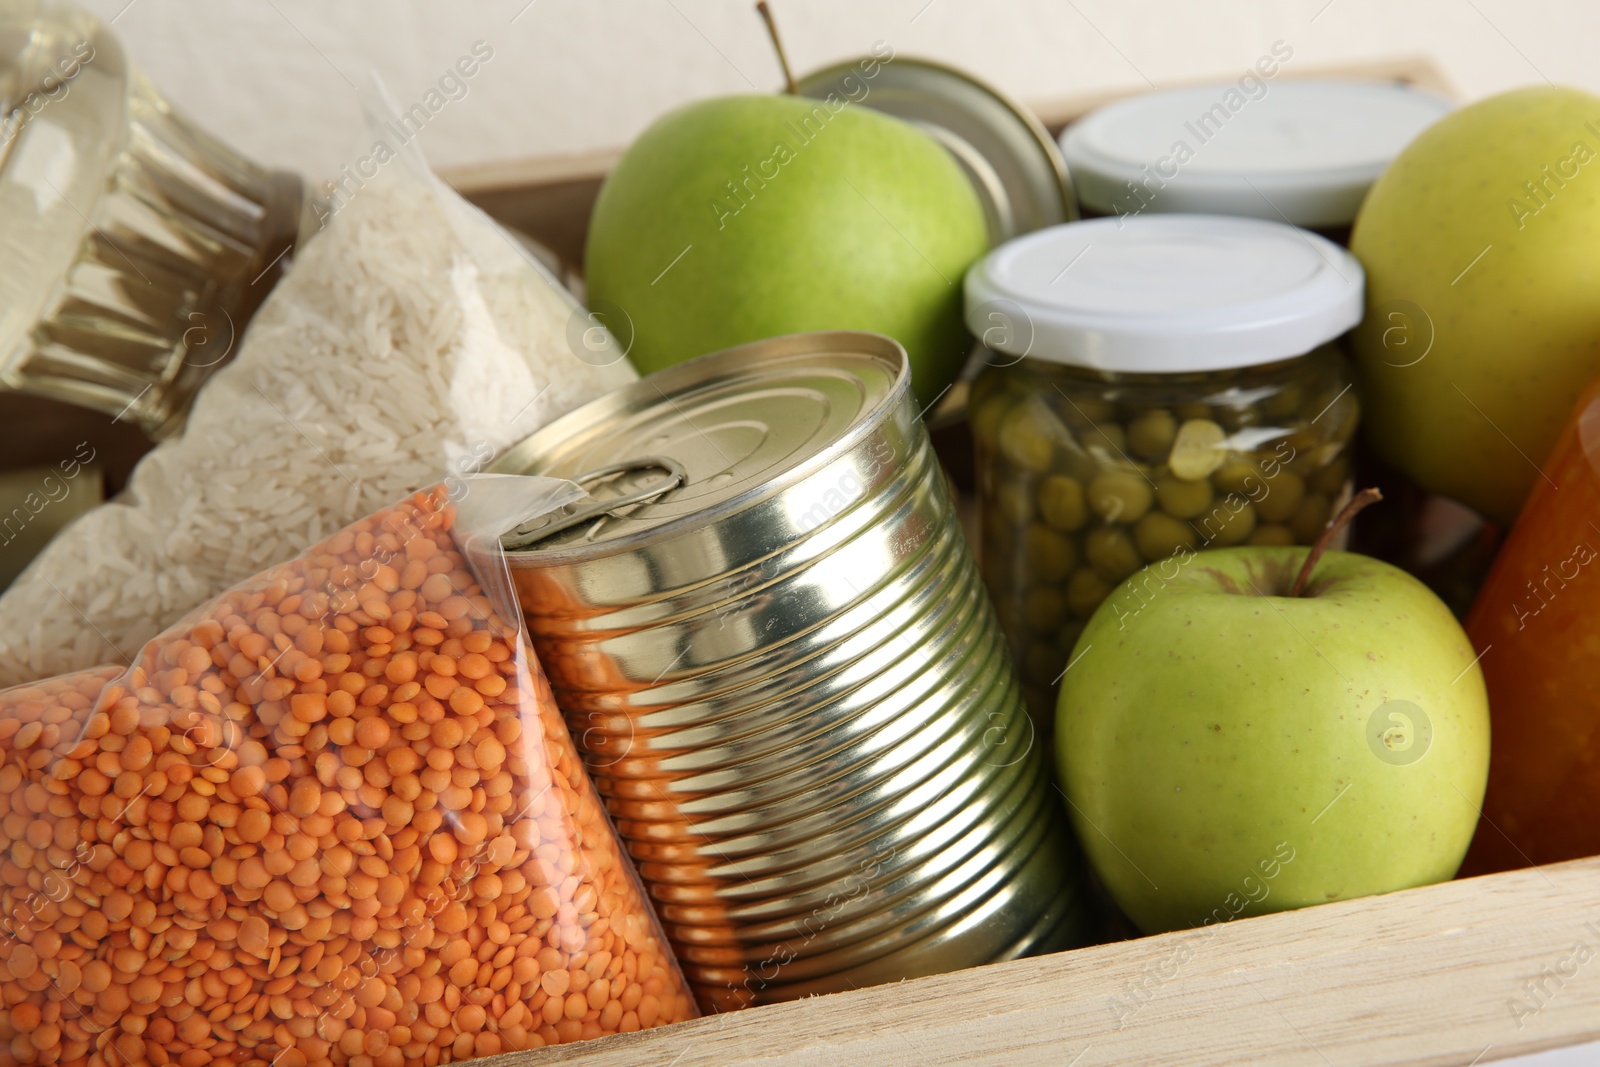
(770, 639)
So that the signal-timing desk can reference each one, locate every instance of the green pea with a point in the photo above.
(987, 418)
(1238, 477)
(1120, 495)
(1083, 411)
(1074, 462)
(1310, 518)
(1047, 555)
(1312, 451)
(1004, 384)
(1181, 498)
(1014, 503)
(1044, 609)
(1349, 412)
(1110, 550)
(1330, 480)
(1150, 435)
(1108, 441)
(1028, 436)
(1085, 590)
(1335, 411)
(1307, 463)
(1061, 502)
(1282, 497)
(1284, 401)
(1236, 417)
(1271, 534)
(1159, 535)
(1223, 525)
(1199, 448)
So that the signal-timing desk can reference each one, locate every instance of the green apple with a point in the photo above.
(1481, 244)
(747, 217)
(1229, 749)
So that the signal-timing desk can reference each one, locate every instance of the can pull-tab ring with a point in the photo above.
(591, 509)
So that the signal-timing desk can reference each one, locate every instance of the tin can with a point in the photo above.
(766, 630)
(1013, 162)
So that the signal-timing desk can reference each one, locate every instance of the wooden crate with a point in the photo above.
(1463, 973)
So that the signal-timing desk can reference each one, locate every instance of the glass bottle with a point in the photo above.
(134, 247)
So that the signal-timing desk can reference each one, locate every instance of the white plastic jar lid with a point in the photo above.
(1164, 293)
(1303, 152)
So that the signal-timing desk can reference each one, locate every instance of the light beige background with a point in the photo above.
(275, 77)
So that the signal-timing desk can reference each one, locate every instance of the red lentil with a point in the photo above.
(334, 819)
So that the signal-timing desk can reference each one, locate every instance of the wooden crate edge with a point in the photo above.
(1466, 972)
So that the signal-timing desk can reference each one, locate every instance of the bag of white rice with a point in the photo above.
(411, 340)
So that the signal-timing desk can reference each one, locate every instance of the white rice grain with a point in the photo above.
(406, 336)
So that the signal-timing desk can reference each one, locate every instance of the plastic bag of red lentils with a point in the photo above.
(333, 817)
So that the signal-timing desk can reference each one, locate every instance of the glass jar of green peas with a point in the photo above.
(1153, 387)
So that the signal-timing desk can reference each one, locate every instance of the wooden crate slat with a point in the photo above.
(1421, 978)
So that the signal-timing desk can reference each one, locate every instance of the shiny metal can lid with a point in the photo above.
(705, 439)
(1007, 154)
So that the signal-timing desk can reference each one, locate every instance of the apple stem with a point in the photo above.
(789, 85)
(1332, 530)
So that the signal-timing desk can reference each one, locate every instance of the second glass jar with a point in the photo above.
(1086, 474)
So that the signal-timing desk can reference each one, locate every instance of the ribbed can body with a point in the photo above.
(803, 719)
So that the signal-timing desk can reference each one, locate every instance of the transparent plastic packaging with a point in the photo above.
(1084, 477)
(332, 816)
(411, 338)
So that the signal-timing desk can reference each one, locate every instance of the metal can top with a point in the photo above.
(705, 438)
(1007, 154)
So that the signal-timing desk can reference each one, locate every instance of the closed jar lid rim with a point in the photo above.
(1164, 294)
(1301, 151)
